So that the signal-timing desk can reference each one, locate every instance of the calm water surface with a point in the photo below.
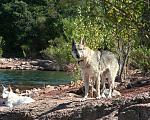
(30, 78)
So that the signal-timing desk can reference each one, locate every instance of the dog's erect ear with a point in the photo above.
(3, 86)
(82, 42)
(10, 89)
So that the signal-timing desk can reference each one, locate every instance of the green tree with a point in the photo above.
(107, 24)
(28, 24)
(16, 22)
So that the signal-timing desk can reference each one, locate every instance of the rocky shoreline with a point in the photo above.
(64, 103)
(28, 64)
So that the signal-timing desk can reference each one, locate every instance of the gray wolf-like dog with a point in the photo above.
(96, 65)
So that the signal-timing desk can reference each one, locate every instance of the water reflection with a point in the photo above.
(33, 78)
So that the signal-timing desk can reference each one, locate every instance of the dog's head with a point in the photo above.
(79, 51)
(6, 92)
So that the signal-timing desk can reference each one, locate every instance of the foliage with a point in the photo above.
(144, 29)
(1, 51)
(60, 53)
(111, 25)
(88, 24)
(141, 58)
(16, 21)
(27, 23)
(33, 28)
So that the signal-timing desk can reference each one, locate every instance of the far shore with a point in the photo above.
(29, 64)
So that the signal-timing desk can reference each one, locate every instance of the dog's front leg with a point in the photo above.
(98, 86)
(103, 79)
(86, 85)
(9, 104)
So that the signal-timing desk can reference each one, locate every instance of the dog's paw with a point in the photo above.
(103, 95)
(109, 96)
(83, 99)
(98, 97)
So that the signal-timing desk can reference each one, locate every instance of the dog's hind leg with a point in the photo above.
(111, 80)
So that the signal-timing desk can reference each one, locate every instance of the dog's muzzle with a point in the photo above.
(77, 55)
(79, 61)
(75, 51)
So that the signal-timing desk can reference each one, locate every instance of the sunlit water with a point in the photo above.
(29, 78)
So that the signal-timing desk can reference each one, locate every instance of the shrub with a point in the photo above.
(141, 58)
(59, 50)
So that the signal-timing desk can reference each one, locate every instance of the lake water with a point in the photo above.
(29, 78)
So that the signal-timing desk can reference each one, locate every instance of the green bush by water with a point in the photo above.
(141, 58)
